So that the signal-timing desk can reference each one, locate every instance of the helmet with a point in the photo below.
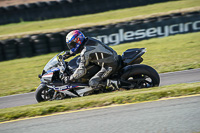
(74, 40)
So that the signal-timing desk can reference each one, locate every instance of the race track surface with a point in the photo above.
(180, 115)
(187, 76)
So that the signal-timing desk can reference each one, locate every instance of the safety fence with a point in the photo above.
(64, 8)
(111, 34)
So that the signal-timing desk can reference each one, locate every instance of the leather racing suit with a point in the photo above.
(96, 52)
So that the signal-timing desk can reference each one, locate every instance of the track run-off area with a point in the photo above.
(178, 114)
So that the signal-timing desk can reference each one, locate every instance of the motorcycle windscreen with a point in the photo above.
(53, 62)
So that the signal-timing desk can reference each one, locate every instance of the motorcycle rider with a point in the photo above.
(91, 50)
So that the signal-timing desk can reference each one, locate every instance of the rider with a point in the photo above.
(91, 50)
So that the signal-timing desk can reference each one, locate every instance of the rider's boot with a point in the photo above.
(113, 83)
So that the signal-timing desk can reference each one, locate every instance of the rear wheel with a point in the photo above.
(139, 76)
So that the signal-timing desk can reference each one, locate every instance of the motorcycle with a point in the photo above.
(130, 74)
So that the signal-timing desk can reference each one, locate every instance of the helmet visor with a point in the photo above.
(71, 45)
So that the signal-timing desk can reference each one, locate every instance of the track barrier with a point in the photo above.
(64, 8)
(111, 34)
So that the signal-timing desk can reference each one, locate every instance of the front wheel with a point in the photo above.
(43, 93)
(139, 76)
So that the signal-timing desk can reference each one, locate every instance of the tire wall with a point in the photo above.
(64, 8)
(112, 34)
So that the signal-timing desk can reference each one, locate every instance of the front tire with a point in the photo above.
(42, 93)
(140, 76)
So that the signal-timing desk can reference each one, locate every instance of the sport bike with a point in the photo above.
(130, 74)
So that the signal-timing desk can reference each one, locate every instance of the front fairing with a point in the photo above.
(49, 69)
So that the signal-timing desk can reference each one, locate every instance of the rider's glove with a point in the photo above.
(67, 55)
(60, 57)
(66, 79)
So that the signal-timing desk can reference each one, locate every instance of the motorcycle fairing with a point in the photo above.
(131, 55)
(53, 70)
(47, 77)
(62, 88)
(80, 90)
(83, 91)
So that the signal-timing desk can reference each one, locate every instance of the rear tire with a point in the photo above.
(140, 76)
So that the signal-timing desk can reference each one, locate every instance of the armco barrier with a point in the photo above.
(64, 8)
(112, 34)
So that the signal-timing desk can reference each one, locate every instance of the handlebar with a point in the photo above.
(61, 59)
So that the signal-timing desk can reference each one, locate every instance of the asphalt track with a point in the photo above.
(174, 115)
(187, 76)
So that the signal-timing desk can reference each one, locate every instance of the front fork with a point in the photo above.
(55, 95)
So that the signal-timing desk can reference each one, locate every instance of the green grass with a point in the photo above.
(92, 19)
(174, 53)
(105, 99)
(179, 52)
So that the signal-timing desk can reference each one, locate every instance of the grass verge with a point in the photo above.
(105, 99)
(112, 16)
(179, 52)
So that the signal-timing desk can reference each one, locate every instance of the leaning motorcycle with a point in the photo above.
(130, 74)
